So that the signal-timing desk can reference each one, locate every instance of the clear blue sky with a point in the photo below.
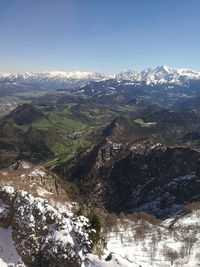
(99, 35)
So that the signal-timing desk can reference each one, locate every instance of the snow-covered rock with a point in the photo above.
(43, 235)
(62, 79)
(160, 75)
(52, 79)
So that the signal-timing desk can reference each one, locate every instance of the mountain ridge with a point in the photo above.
(160, 75)
(73, 79)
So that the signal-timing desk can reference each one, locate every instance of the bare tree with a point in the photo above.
(189, 241)
(170, 254)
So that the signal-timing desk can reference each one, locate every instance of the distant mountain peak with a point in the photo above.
(163, 68)
(52, 79)
(160, 75)
(61, 79)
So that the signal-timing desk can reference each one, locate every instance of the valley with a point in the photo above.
(103, 173)
(99, 133)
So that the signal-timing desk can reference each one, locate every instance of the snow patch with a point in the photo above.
(8, 252)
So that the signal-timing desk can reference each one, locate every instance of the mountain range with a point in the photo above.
(61, 79)
(160, 75)
(103, 172)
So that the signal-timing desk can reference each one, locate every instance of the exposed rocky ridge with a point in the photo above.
(132, 160)
(34, 179)
(46, 231)
(41, 232)
(100, 157)
(120, 177)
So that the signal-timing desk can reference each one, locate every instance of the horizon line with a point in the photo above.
(96, 71)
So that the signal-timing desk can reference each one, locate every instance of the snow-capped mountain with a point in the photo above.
(160, 75)
(52, 79)
(61, 79)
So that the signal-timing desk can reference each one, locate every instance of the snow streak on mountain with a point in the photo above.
(159, 75)
(57, 79)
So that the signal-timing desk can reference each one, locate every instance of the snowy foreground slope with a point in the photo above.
(8, 252)
(173, 242)
(40, 229)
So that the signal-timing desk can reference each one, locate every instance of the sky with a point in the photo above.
(98, 35)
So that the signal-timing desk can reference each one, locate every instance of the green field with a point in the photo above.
(144, 124)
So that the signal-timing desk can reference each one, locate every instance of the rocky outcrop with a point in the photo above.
(45, 234)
